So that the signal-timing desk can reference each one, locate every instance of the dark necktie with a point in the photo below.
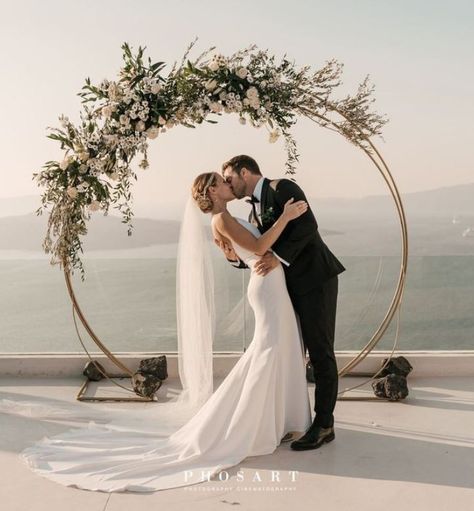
(253, 200)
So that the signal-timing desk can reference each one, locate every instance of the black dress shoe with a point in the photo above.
(315, 437)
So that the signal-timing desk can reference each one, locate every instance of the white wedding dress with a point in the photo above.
(262, 398)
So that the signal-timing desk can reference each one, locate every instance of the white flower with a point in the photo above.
(220, 59)
(83, 169)
(65, 163)
(216, 107)
(94, 205)
(255, 103)
(246, 101)
(124, 120)
(214, 65)
(152, 132)
(161, 121)
(72, 192)
(140, 126)
(82, 187)
(169, 123)
(242, 72)
(84, 155)
(273, 136)
(223, 95)
(107, 111)
(155, 88)
(242, 120)
(114, 176)
(181, 112)
(252, 92)
(64, 120)
(111, 139)
(210, 84)
(113, 91)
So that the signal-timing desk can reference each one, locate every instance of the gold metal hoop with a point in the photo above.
(395, 304)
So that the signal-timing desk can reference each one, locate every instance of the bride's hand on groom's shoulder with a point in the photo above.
(293, 210)
(266, 264)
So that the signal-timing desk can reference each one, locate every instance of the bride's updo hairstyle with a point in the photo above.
(200, 189)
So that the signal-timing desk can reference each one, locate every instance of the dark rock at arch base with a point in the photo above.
(392, 387)
(92, 370)
(156, 366)
(145, 384)
(397, 365)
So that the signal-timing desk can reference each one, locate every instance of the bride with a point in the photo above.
(263, 397)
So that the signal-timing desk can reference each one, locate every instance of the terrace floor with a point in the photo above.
(413, 454)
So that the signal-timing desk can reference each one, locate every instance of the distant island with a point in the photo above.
(437, 220)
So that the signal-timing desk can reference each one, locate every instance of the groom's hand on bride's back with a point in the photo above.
(227, 249)
(266, 264)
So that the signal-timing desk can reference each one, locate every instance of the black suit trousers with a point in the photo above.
(316, 312)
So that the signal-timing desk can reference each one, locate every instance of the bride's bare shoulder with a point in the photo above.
(219, 219)
(216, 219)
(216, 222)
(223, 224)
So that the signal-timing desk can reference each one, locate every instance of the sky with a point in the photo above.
(418, 55)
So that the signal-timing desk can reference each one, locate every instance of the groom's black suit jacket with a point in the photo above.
(310, 261)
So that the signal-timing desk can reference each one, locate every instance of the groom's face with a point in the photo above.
(236, 182)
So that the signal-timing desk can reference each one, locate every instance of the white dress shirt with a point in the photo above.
(257, 193)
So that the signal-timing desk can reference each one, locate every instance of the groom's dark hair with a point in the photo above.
(237, 163)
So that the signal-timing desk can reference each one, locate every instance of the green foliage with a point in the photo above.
(119, 116)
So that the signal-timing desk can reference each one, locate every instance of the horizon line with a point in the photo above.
(314, 196)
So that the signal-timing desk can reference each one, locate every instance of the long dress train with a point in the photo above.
(262, 398)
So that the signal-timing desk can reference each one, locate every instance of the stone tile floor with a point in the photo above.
(413, 454)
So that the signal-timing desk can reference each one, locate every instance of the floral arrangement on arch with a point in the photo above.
(121, 116)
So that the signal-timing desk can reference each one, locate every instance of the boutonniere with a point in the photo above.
(268, 216)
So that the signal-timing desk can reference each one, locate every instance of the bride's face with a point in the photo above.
(222, 190)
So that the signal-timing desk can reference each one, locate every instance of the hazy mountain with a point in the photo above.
(450, 201)
(27, 232)
(441, 202)
(13, 206)
(354, 226)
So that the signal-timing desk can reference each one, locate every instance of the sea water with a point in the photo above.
(129, 301)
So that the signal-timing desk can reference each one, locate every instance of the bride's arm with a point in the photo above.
(227, 225)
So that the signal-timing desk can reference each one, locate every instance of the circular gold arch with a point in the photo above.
(394, 306)
(191, 92)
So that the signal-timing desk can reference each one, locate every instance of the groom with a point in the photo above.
(311, 271)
